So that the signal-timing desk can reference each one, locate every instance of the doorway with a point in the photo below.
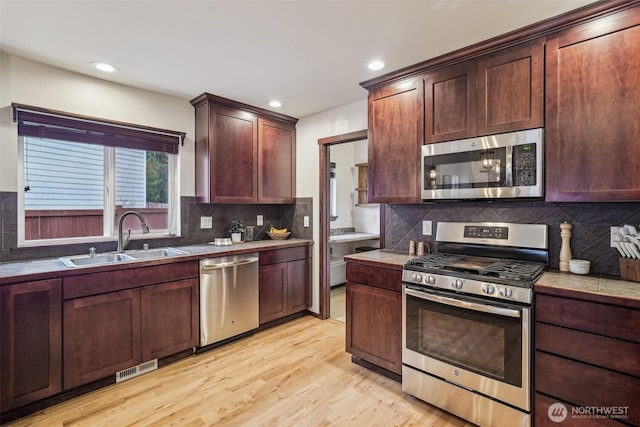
(325, 215)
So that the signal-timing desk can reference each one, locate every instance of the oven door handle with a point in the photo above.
(491, 309)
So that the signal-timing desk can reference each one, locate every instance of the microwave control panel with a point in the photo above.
(524, 165)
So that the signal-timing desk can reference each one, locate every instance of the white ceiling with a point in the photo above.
(310, 55)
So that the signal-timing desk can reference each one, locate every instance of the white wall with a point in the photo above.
(345, 119)
(32, 83)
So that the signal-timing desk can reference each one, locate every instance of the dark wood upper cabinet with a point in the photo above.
(31, 349)
(495, 93)
(510, 90)
(396, 134)
(244, 154)
(592, 106)
(276, 162)
(450, 103)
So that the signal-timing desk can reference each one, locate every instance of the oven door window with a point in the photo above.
(484, 168)
(484, 343)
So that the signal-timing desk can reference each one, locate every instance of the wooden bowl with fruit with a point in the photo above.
(278, 233)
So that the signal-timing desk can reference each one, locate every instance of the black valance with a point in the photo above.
(50, 124)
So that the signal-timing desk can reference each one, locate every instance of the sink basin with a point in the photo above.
(84, 260)
(114, 257)
(156, 253)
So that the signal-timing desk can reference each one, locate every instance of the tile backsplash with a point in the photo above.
(590, 233)
(280, 216)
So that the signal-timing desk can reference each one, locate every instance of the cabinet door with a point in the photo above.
(101, 336)
(298, 284)
(510, 89)
(374, 325)
(276, 162)
(31, 367)
(273, 292)
(396, 133)
(234, 156)
(592, 105)
(450, 103)
(169, 318)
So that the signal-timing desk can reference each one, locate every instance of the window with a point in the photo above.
(80, 176)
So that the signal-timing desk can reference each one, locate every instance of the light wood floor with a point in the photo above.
(338, 300)
(296, 374)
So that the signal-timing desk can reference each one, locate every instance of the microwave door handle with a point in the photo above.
(509, 168)
(501, 311)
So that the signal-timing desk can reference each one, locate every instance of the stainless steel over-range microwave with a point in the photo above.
(507, 165)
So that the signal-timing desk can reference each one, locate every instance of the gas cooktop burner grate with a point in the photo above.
(435, 261)
(513, 270)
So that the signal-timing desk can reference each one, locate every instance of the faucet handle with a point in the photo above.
(92, 251)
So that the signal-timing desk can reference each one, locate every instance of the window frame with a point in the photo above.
(110, 135)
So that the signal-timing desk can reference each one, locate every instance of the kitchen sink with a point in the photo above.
(156, 253)
(86, 260)
(114, 257)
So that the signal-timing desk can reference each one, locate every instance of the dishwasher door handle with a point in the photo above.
(227, 264)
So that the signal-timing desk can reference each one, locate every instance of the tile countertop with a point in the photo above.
(384, 257)
(53, 267)
(353, 237)
(590, 287)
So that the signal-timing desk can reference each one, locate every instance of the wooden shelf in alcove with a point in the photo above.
(362, 183)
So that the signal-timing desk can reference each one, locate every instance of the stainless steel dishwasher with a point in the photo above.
(228, 297)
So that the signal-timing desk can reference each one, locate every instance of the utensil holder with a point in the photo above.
(630, 269)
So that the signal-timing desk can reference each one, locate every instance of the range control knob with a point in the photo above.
(430, 280)
(457, 283)
(505, 292)
(416, 277)
(488, 289)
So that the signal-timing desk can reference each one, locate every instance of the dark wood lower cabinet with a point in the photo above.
(169, 321)
(285, 282)
(587, 358)
(118, 319)
(374, 315)
(31, 349)
(101, 336)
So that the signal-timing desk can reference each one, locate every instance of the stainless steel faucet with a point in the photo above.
(122, 241)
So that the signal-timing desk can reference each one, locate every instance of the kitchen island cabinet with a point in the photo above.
(284, 283)
(396, 134)
(117, 320)
(374, 316)
(31, 328)
(592, 104)
(587, 355)
(244, 154)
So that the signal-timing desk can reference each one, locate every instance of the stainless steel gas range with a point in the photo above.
(467, 319)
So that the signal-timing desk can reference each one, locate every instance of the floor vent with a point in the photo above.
(134, 371)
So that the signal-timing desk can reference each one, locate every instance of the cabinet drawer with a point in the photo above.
(587, 385)
(375, 276)
(602, 319)
(116, 280)
(284, 255)
(610, 353)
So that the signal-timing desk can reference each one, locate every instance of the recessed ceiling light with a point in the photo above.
(275, 104)
(376, 65)
(103, 66)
